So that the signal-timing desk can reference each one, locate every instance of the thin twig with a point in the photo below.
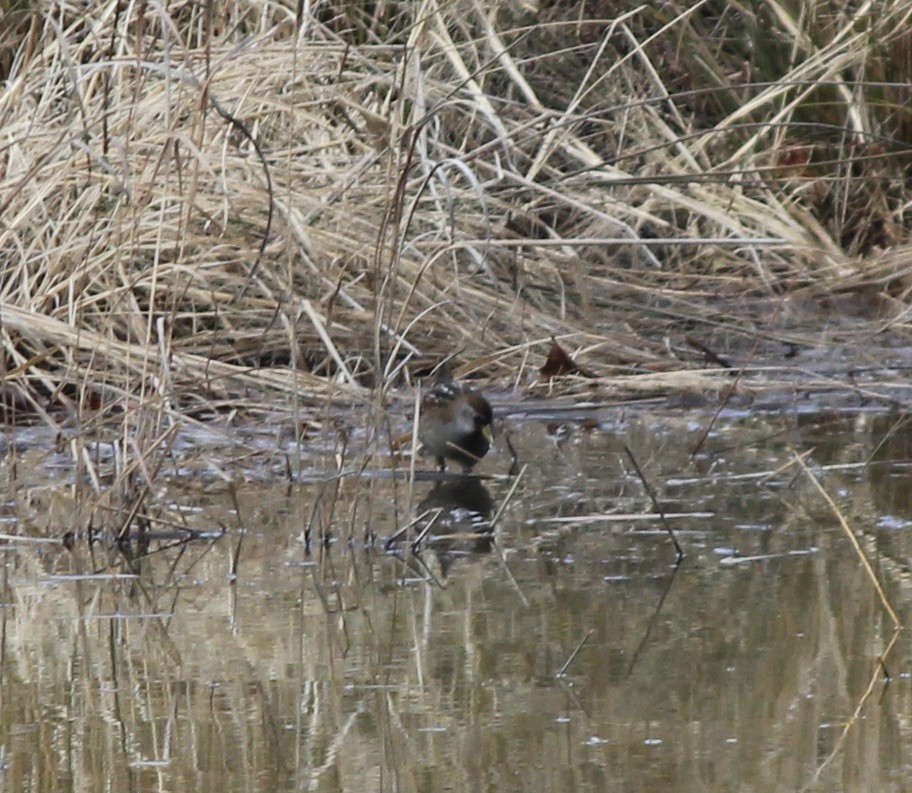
(507, 498)
(724, 401)
(235, 556)
(897, 625)
(656, 505)
(396, 535)
(837, 748)
(865, 563)
(510, 576)
(586, 638)
(652, 621)
(424, 532)
(514, 457)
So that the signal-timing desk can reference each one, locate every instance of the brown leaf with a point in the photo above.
(560, 363)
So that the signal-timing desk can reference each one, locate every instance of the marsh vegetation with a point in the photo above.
(235, 238)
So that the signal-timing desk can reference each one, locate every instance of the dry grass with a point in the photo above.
(225, 205)
(212, 209)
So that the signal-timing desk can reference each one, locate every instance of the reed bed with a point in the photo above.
(216, 212)
(220, 206)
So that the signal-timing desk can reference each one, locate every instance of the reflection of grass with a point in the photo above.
(265, 666)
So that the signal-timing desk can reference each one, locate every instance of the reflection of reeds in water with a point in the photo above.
(170, 697)
(263, 665)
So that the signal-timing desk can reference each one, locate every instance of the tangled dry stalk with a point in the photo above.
(221, 205)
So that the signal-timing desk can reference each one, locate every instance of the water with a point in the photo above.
(255, 661)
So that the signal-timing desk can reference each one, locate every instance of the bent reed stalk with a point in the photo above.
(258, 209)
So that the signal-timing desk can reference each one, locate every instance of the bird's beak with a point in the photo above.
(488, 433)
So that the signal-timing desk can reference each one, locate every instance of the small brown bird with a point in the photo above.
(455, 423)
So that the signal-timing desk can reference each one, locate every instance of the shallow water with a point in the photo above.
(260, 661)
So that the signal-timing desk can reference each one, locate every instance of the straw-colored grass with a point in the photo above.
(235, 203)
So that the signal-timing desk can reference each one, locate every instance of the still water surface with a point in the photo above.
(253, 662)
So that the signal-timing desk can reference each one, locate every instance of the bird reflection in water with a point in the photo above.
(456, 525)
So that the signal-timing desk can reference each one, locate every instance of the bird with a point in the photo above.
(455, 422)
